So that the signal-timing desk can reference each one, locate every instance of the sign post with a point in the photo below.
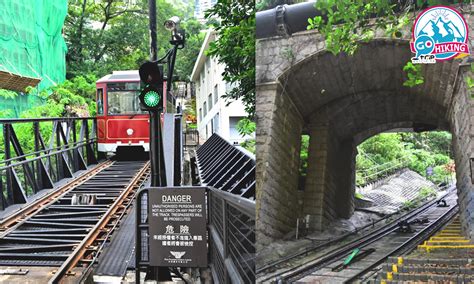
(177, 227)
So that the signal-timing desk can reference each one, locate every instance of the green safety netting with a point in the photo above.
(31, 41)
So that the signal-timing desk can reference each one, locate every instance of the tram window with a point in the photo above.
(100, 101)
(123, 102)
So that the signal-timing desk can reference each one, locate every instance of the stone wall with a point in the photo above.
(462, 115)
(279, 130)
(342, 100)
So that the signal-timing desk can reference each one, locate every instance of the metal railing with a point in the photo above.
(232, 237)
(29, 163)
(225, 167)
(382, 170)
(229, 173)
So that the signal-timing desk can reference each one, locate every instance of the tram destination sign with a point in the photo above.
(177, 227)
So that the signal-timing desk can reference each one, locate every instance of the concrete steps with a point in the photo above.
(424, 270)
(434, 261)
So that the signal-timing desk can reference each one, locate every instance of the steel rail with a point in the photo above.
(411, 243)
(351, 233)
(361, 242)
(82, 247)
(128, 205)
(18, 217)
(374, 235)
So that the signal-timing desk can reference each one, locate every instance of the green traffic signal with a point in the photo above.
(151, 98)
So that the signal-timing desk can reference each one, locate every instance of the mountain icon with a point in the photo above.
(442, 31)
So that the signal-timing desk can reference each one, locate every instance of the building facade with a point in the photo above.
(200, 7)
(214, 114)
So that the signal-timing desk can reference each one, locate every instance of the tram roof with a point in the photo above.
(120, 76)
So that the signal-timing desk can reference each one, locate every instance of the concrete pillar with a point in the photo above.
(316, 196)
(330, 179)
(279, 129)
(462, 128)
(345, 178)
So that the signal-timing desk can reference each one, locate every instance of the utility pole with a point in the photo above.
(158, 175)
(152, 18)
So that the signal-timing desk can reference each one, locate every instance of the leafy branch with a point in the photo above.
(235, 48)
(414, 74)
(346, 23)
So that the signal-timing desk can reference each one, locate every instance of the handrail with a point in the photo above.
(23, 120)
(28, 169)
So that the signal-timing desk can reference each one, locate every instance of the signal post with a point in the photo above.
(152, 100)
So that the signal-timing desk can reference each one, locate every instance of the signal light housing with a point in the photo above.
(151, 97)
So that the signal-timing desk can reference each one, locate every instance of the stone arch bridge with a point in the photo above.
(340, 101)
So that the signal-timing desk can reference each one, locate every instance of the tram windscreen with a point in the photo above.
(122, 98)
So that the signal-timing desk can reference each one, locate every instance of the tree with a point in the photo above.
(235, 48)
(417, 151)
(107, 35)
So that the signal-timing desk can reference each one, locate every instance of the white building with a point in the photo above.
(200, 7)
(213, 113)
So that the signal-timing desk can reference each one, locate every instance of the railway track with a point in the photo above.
(370, 250)
(66, 230)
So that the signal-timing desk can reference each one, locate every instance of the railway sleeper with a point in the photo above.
(52, 231)
(72, 214)
(56, 225)
(17, 240)
(36, 249)
(33, 256)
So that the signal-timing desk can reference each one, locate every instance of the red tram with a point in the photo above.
(120, 122)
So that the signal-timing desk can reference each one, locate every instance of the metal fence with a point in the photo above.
(230, 175)
(223, 166)
(29, 163)
(381, 171)
(232, 237)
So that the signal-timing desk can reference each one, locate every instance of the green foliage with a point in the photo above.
(304, 154)
(359, 195)
(103, 36)
(249, 145)
(70, 98)
(235, 48)
(414, 74)
(8, 94)
(426, 192)
(246, 126)
(417, 151)
(346, 23)
(83, 86)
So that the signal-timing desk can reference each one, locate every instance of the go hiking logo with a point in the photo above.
(439, 33)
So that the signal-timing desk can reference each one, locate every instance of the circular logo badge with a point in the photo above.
(440, 31)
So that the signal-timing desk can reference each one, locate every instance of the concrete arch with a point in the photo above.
(340, 101)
